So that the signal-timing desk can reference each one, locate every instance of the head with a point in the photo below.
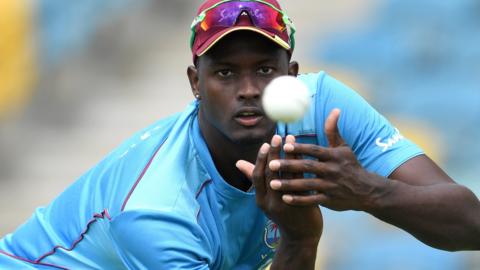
(233, 63)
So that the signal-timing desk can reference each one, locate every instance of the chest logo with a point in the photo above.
(272, 235)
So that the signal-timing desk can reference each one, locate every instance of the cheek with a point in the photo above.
(217, 101)
(211, 88)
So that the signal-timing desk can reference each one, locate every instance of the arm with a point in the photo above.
(440, 213)
(300, 227)
(419, 197)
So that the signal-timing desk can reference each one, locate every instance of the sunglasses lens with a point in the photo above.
(226, 15)
(270, 20)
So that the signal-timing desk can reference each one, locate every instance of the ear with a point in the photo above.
(192, 73)
(293, 68)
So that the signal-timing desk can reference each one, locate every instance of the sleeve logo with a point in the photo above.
(386, 144)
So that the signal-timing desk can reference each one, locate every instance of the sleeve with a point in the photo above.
(95, 195)
(11, 262)
(159, 240)
(378, 145)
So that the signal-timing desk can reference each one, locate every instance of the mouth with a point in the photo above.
(249, 117)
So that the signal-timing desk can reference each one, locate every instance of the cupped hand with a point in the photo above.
(295, 223)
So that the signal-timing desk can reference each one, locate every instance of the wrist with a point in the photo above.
(300, 237)
(381, 193)
(295, 254)
(299, 241)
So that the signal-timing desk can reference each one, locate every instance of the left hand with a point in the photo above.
(340, 182)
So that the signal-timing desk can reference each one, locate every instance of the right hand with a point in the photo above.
(296, 224)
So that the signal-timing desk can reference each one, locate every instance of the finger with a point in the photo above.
(331, 129)
(258, 174)
(305, 200)
(289, 142)
(300, 166)
(312, 150)
(246, 168)
(301, 185)
(274, 154)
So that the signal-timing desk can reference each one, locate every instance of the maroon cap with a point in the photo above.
(204, 40)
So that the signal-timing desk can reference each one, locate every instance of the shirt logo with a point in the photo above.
(272, 235)
(388, 143)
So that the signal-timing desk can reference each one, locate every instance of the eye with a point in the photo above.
(265, 70)
(225, 73)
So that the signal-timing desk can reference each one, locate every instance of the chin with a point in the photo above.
(252, 137)
(249, 140)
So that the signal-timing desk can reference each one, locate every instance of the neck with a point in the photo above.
(225, 153)
(225, 162)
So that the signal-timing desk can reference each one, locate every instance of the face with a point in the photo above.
(230, 80)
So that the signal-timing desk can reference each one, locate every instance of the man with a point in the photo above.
(171, 197)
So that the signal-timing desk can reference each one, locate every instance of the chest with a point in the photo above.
(241, 236)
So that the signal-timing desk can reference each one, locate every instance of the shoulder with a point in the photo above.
(108, 184)
(172, 177)
(379, 146)
(313, 81)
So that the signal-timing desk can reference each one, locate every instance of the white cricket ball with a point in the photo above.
(286, 99)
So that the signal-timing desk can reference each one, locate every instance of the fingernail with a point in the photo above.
(275, 184)
(264, 149)
(288, 147)
(274, 165)
(276, 141)
(287, 198)
(290, 139)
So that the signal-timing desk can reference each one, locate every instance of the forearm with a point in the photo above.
(295, 254)
(444, 216)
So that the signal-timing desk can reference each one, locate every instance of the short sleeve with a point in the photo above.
(159, 240)
(11, 262)
(378, 145)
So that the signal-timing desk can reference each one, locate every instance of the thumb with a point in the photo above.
(246, 168)
(331, 129)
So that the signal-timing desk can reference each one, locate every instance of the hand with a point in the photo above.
(296, 224)
(341, 183)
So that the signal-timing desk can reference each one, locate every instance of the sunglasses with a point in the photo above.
(225, 14)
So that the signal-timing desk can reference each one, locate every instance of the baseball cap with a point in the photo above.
(217, 18)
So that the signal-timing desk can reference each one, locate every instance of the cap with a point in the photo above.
(204, 40)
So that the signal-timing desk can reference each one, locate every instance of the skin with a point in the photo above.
(230, 79)
(300, 227)
(418, 197)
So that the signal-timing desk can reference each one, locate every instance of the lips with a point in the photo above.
(249, 116)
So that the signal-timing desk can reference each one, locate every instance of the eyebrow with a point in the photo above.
(264, 60)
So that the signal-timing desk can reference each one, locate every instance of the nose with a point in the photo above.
(249, 88)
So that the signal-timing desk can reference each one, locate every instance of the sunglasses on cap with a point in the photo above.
(224, 14)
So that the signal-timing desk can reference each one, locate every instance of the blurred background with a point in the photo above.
(79, 77)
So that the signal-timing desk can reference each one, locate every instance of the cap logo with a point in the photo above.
(224, 15)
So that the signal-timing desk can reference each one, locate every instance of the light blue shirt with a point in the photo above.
(158, 202)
